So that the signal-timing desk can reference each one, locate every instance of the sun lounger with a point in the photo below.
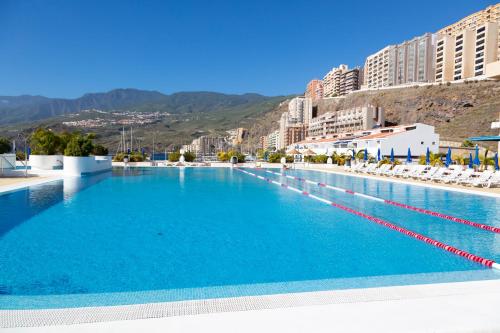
(464, 176)
(481, 179)
(396, 170)
(413, 170)
(494, 180)
(383, 168)
(370, 168)
(436, 175)
(421, 171)
(451, 176)
(427, 173)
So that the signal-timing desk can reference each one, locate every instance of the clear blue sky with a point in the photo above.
(67, 48)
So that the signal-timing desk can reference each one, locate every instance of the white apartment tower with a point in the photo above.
(469, 47)
(408, 62)
(300, 110)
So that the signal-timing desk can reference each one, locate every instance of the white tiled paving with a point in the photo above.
(437, 307)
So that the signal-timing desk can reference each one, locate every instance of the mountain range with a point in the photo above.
(27, 108)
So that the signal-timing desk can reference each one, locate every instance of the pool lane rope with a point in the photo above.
(483, 261)
(393, 203)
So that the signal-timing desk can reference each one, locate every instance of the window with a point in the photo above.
(421, 142)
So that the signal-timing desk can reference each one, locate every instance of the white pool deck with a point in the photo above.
(448, 307)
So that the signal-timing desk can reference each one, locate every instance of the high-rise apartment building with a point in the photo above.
(467, 48)
(380, 68)
(341, 81)
(300, 110)
(410, 61)
(473, 21)
(467, 53)
(314, 89)
(273, 141)
(358, 118)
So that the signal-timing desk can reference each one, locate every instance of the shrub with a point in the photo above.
(119, 157)
(44, 142)
(136, 157)
(189, 156)
(5, 146)
(276, 157)
(100, 150)
(20, 156)
(467, 143)
(448, 83)
(174, 156)
(222, 156)
(79, 145)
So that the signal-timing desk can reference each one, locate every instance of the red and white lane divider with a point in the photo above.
(394, 203)
(483, 261)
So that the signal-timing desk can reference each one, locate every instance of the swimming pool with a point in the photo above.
(151, 235)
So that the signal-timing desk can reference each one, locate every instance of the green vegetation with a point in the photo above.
(80, 145)
(316, 159)
(5, 146)
(226, 156)
(467, 143)
(174, 156)
(136, 157)
(189, 156)
(100, 150)
(45, 142)
(276, 158)
(435, 159)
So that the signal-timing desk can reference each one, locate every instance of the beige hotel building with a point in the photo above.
(405, 63)
(470, 47)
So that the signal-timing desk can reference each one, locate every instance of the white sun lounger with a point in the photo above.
(451, 176)
(464, 176)
(481, 179)
(427, 173)
(494, 180)
(396, 170)
(383, 168)
(413, 171)
(438, 174)
(421, 171)
(371, 167)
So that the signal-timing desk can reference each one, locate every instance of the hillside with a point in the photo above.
(27, 108)
(192, 115)
(457, 111)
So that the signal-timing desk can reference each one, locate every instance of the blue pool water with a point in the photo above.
(149, 235)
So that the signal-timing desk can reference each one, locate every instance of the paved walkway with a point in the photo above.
(450, 307)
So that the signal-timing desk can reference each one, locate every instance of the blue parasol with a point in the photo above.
(476, 158)
(365, 155)
(408, 157)
(392, 155)
(495, 159)
(470, 161)
(428, 156)
(448, 158)
(378, 155)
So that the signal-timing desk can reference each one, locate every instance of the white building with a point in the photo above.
(418, 137)
(273, 140)
(300, 110)
(353, 119)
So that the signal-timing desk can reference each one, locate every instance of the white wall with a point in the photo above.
(7, 161)
(76, 166)
(418, 140)
(45, 162)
